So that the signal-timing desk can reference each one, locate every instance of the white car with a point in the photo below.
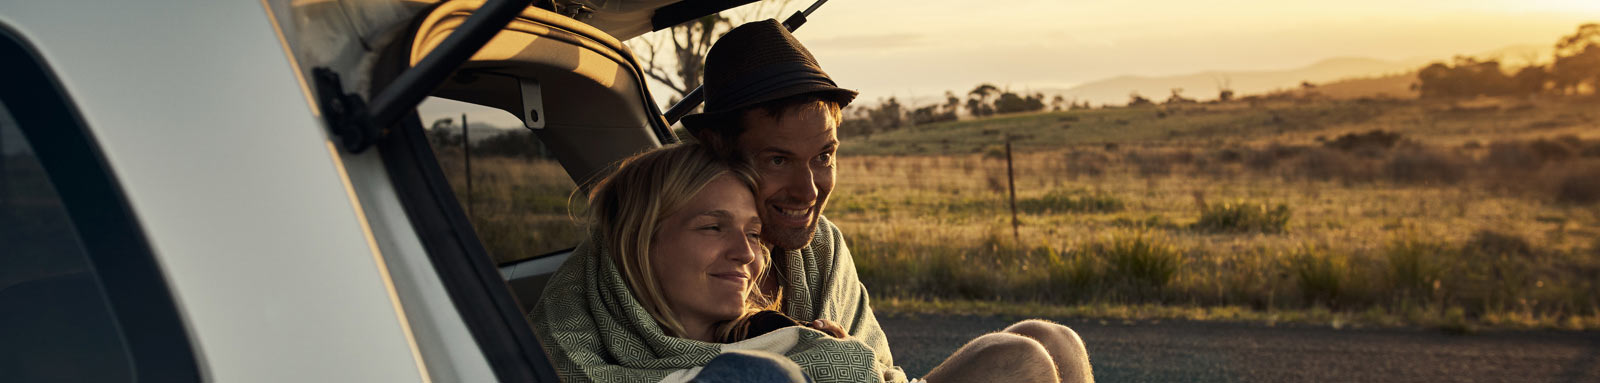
(242, 190)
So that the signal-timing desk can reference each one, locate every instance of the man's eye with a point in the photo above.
(778, 160)
(825, 158)
(711, 228)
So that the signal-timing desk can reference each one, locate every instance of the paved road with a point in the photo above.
(1234, 352)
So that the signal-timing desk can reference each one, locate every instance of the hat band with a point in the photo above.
(766, 80)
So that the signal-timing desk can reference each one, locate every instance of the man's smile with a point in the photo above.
(791, 216)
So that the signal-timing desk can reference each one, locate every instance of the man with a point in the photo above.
(768, 102)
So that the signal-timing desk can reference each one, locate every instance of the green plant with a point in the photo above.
(1058, 201)
(1138, 261)
(1320, 276)
(1414, 265)
(1072, 275)
(994, 152)
(1243, 217)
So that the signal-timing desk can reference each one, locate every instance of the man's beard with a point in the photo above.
(790, 238)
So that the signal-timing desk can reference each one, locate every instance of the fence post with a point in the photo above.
(1011, 181)
(466, 155)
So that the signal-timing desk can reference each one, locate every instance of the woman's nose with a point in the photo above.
(743, 251)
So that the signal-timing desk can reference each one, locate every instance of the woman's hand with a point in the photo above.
(828, 327)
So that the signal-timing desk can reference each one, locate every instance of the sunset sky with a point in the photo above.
(923, 47)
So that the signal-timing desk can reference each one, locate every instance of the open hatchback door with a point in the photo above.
(558, 66)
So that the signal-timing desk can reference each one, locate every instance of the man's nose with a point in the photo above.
(803, 185)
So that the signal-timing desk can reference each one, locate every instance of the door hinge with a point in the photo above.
(345, 113)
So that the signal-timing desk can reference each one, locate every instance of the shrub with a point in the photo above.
(1229, 156)
(952, 273)
(1139, 262)
(1491, 272)
(1268, 157)
(1548, 150)
(1414, 266)
(995, 152)
(1071, 201)
(1490, 242)
(1089, 163)
(1579, 185)
(1320, 276)
(1072, 275)
(1325, 165)
(1372, 141)
(1511, 156)
(1150, 164)
(1243, 217)
(1426, 167)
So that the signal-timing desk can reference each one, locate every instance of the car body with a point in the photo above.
(226, 231)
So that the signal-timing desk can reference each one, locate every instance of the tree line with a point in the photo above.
(1574, 70)
(982, 101)
(445, 134)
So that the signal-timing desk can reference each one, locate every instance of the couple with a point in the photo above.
(711, 261)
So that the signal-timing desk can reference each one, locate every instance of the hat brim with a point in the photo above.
(698, 121)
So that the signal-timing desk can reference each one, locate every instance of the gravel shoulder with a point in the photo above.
(1186, 351)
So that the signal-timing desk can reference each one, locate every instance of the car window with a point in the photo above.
(57, 326)
(519, 199)
(82, 298)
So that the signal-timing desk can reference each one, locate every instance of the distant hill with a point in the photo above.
(1345, 77)
(1395, 85)
(1204, 85)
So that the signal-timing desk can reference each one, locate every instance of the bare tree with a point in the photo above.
(1224, 88)
(676, 57)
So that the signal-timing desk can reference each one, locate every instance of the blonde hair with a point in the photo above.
(627, 207)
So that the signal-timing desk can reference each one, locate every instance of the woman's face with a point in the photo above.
(706, 255)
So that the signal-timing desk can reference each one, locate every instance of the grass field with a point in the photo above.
(1482, 212)
(1473, 213)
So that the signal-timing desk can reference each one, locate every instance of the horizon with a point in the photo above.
(1045, 45)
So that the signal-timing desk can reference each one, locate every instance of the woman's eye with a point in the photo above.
(753, 235)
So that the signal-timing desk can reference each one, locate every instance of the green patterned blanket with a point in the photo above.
(594, 330)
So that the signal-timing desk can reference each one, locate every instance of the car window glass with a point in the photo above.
(515, 193)
(55, 325)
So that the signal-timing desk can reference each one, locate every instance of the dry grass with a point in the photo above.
(1484, 214)
(520, 208)
(1434, 227)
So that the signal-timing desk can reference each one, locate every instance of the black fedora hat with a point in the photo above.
(755, 63)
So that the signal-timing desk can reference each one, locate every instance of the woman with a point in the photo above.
(669, 271)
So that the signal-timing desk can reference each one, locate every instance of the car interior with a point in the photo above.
(575, 86)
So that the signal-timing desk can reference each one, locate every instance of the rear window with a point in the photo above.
(518, 197)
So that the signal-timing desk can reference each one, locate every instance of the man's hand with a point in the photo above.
(828, 327)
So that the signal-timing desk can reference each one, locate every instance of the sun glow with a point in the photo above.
(1568, 5)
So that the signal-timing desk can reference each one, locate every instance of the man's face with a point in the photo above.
(794, 157)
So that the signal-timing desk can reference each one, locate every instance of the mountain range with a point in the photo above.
(1337, 77)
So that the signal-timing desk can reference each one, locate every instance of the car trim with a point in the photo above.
(355, 201)
(470, 278)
